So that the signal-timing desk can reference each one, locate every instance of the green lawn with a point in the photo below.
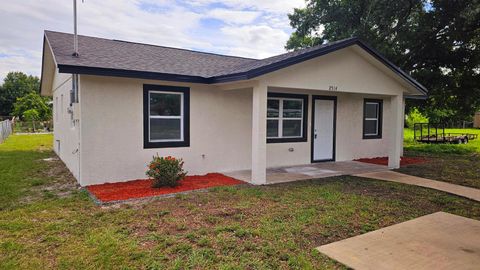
(45, 222)
(20, 166)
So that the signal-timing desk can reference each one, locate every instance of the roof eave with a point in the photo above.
(283, 64)
(41, 68)
(73, 69)
(322, 51)
(46, 46)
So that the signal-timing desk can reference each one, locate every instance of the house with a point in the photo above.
(334, 102)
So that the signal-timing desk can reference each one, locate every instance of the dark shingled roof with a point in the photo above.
(279, 58)
(108, 57)
(107, 53)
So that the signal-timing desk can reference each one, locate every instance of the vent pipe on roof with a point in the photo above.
(74, 91)
(75, 37)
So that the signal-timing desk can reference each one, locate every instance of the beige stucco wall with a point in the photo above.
(346, 69)
(349, 142)
(355, 76)
(66, 132)
(220, 124)
(220, 120)
(112, 130)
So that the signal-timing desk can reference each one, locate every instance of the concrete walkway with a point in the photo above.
(467, 192)
(437, 241)
(310, 171)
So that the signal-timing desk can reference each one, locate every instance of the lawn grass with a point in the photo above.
(267, 227)
(20, 165)
(453, 163)
(436, 149)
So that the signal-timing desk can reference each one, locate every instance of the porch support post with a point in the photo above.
(396, 128)
(403, 126)
(259, 135)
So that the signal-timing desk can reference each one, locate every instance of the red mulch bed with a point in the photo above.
(141, 188)
(404, 161)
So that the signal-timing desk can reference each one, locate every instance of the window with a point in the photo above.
(372, 119)
(166, 116)
(286, 118)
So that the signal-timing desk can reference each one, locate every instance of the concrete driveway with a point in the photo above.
(436, 241)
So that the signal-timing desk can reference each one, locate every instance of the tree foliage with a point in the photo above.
(33, 102)
(15, 85)
(31, 115)
(436, 41)
(415, 116)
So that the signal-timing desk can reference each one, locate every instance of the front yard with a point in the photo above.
(47, 222)
(457, 164)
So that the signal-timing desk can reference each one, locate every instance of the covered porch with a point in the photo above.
(352, 107)
(277, 161)
(309, 171)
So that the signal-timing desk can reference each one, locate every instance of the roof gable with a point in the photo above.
(350, 70)
(127, 59)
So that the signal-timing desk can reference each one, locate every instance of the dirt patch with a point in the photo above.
(63, 181)
(54, 180)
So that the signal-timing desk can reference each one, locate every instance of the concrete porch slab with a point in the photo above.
(310, 171)
(437, 241)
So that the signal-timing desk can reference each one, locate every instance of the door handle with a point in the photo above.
(315, 136)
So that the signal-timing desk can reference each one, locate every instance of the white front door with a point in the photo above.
(324, 128)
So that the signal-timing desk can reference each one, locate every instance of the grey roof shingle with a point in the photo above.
(277, 58)
(115, 54)
(101, 56)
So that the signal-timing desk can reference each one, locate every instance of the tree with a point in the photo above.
(15, 85)
(32, 101)
(31, 115)
(436, 41)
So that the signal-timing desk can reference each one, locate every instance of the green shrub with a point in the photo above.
(166, 171)
(415, 116)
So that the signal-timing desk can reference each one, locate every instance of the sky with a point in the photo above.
(249, 28)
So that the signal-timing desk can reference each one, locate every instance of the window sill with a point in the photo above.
(372, 137)
(286, 140)
(149, 145)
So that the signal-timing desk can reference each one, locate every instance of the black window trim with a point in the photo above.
(380, 118)
(186, 116)
(305, 117)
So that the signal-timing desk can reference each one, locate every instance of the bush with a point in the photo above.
(415, 116)
(166, 171)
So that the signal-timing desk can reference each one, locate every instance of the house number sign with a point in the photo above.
(332, 88)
